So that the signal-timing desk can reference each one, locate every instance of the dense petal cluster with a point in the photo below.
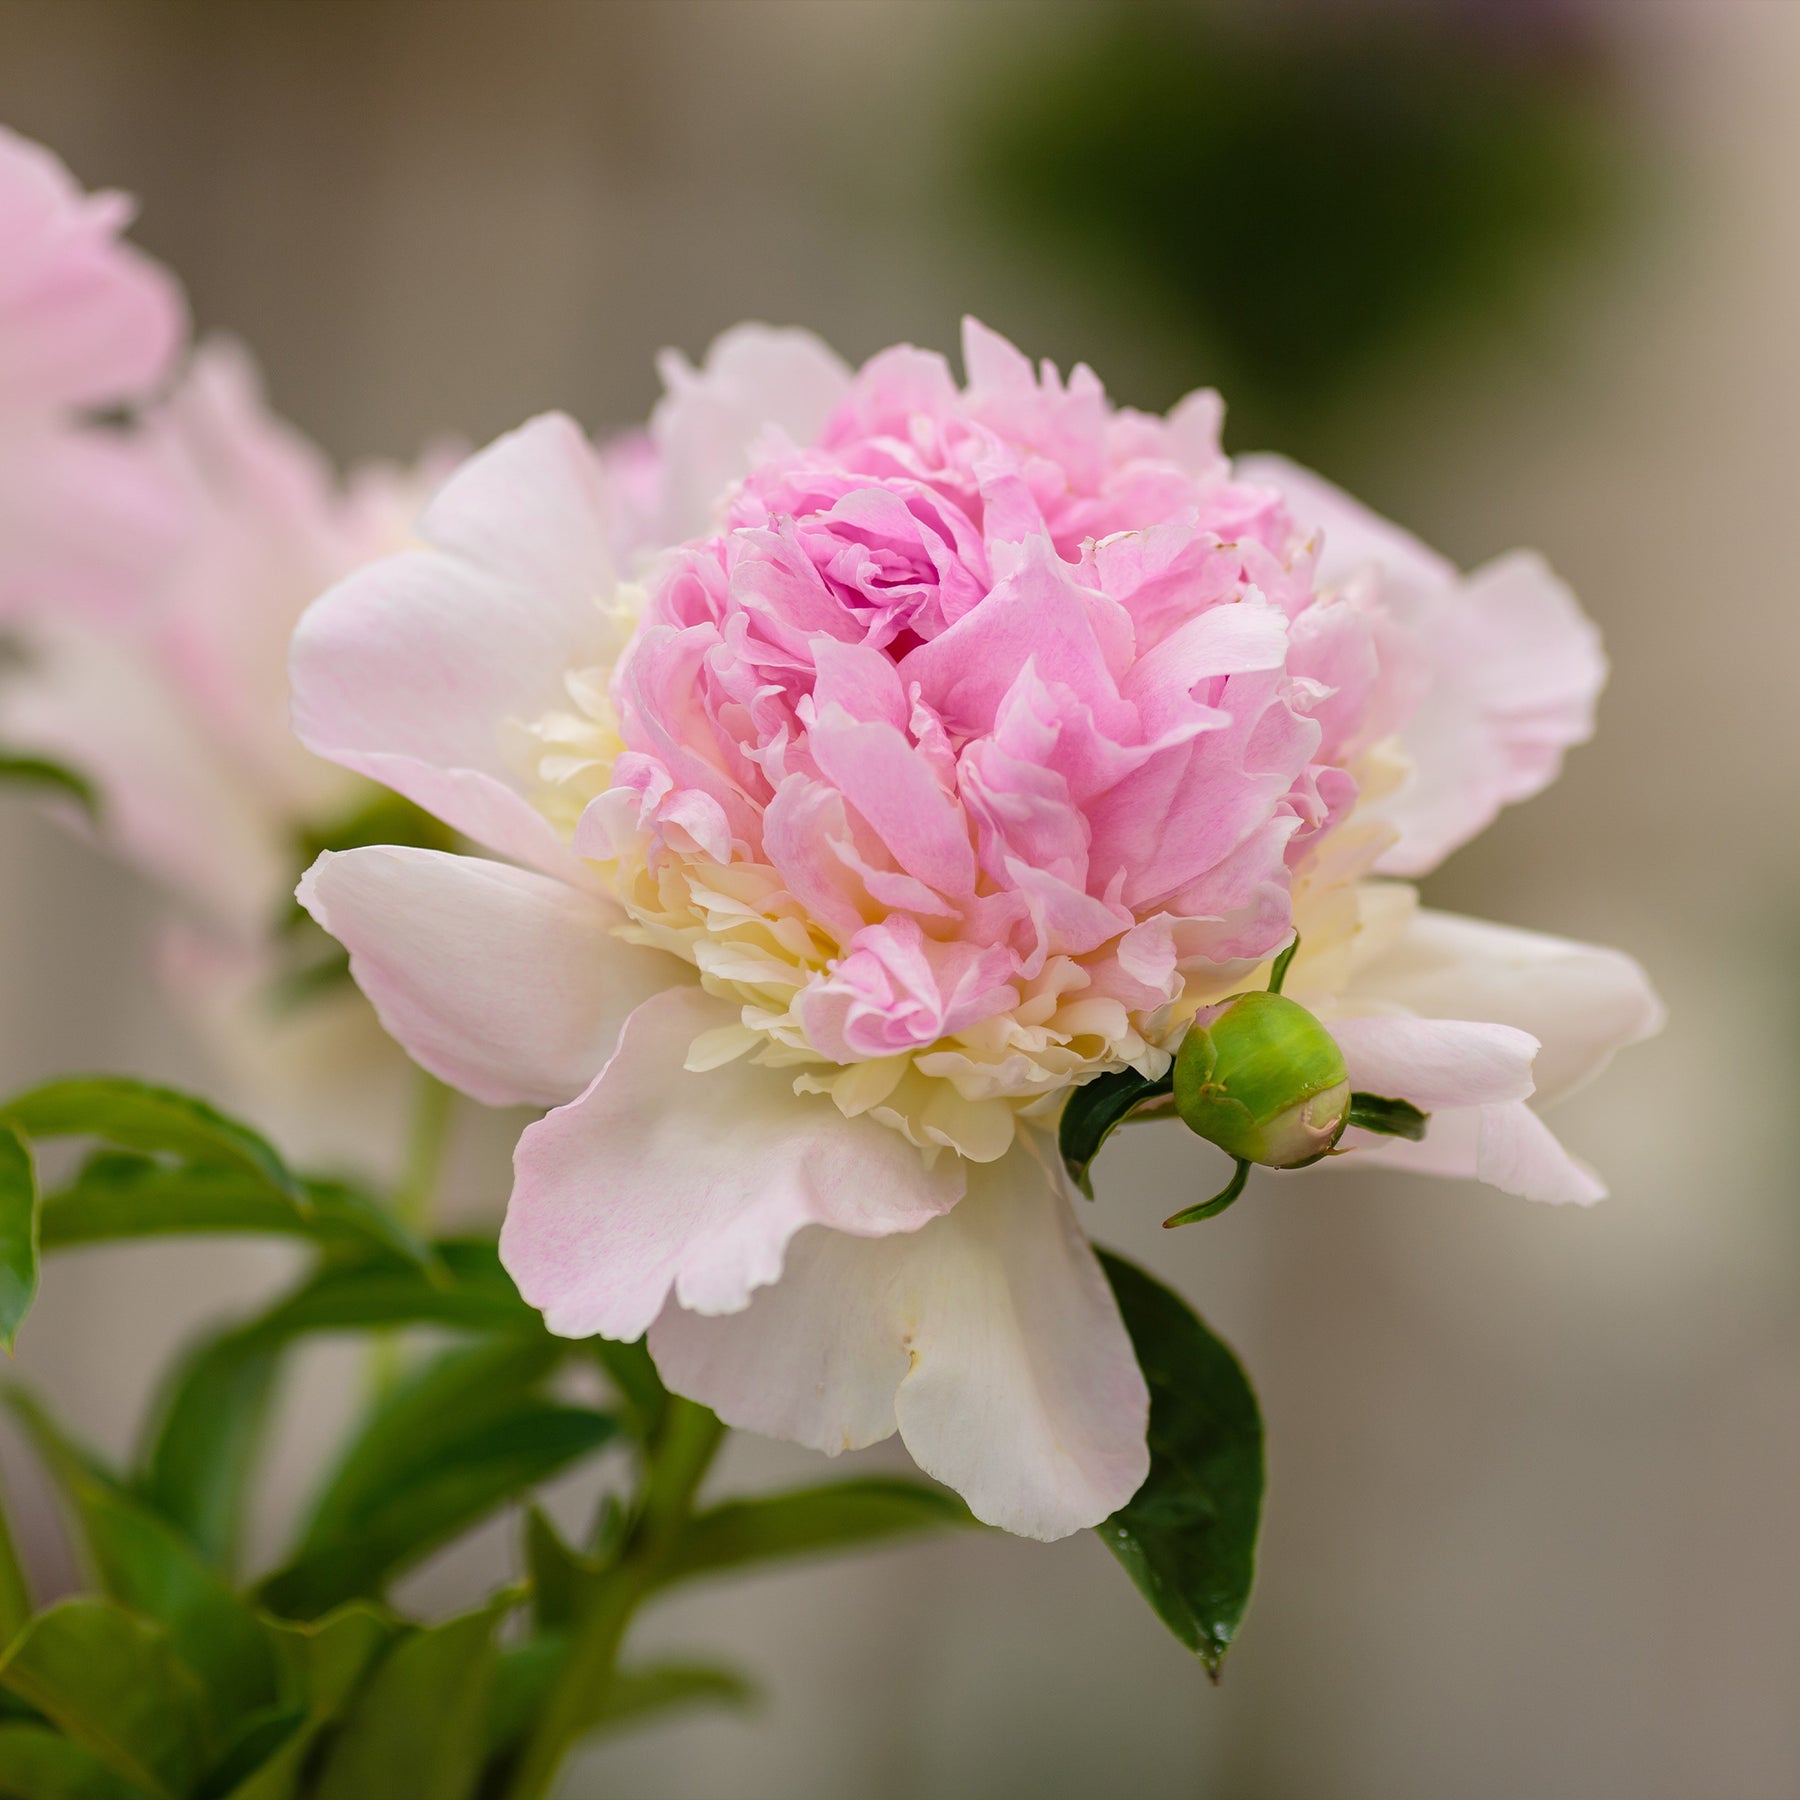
(875, 758)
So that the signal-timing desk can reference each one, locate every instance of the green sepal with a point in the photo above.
(53, 780)
(1210, 1209)
(1096, 1109)
(1391, 1118)
(1187, 1537)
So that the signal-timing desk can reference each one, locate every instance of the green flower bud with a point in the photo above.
(1260, 1077)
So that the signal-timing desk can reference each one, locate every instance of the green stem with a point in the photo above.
(677, 1463)
(427, 1141)
(415, 1198)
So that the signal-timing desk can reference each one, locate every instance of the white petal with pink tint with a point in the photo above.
(1436, 1062)
(989, 1339)
(501, 981)
(1515, 667)
(1582, 1002)
(90, 698)
(661, 1180)
(1506, 1146)
(413, 669)
(84, 319)
(755, 378)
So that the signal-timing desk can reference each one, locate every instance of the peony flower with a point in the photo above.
(953, 746)
(86, 323)
(173, 705)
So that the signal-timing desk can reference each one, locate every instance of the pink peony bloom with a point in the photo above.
(86, 322)
(173, 705)
(947, 747)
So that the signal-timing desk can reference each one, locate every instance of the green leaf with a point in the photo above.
(39, 1764)
(137, 1116)
(52, 779)
(1096, 1109)
(326, 1664)
(142, 1561)
(562, 1579)
(120, 1194)
(1187, 1537)
(18, 1234)
(114, 1684)
(1392, 1118)
(205, 1431)
(837, 1516)
(467, 1290)
(453, 1480)
(418, 1725)
(253, 1748)
(432, 1410)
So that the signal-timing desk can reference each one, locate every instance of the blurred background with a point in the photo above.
(1515, 271)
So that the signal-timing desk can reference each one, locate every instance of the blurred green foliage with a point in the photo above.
(1293, 198)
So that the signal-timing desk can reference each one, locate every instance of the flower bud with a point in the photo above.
(1260, 1077)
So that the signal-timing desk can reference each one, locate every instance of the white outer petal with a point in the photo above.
(501, 981)
(990, 1339)
(1436, 1062)
(414, 669)
(659, 1179)
(1582, 1002)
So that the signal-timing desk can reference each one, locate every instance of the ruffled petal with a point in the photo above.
(660, 1180)
(500, 981)
(1582, 1002)
(990, 1339)
(414, 669)
(1515, 667)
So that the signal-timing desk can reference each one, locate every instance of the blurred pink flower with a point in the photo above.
(950, 747)
(86, 323)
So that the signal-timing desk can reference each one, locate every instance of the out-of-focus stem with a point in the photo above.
(675, 1466)
(415, 1196)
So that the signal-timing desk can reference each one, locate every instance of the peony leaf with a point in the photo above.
(19, 1226)
(251, 1748)
(1096, 1109)
(113, 1684)
(1187, 1537)
(39, 1764)
(142, 1561)
(456, 1393)
(327, 1664)
(204, 1433)
(455, 1478)
(208, 1422)
(417, 1727)
(138, 1116)
(839, 1515)
(119, 1194)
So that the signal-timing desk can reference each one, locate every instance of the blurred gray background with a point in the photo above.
(1534, 1473)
